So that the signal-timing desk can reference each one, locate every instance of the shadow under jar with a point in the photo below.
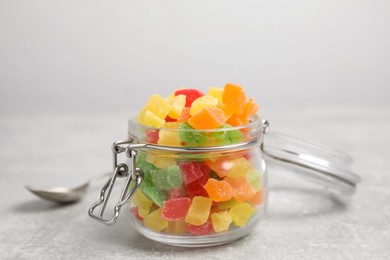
(197, 188)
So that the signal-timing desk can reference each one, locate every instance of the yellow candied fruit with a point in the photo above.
(206, 101)
(178, 227)
(254, 179)
(149, 119)
(142, 202)
(155, 222)
(168, 135)
(178, 104)
(199, 211)
(241, 213)
(216, 92)
(227, 204)
(158, 106)
(240, 168)
(159, 161)
(221, 221)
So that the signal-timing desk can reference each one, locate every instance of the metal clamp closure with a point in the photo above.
(135, 176)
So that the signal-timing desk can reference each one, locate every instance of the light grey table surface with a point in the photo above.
(304, 221)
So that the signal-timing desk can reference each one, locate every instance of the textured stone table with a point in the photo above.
(304, 221)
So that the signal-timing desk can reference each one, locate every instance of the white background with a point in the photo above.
(106, 55)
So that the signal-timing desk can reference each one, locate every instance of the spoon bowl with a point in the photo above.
(64, 195)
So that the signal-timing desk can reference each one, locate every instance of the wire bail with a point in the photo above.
(121, 170)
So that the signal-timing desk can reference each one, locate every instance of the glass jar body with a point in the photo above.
(201, 197)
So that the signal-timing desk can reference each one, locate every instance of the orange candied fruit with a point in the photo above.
(185, 115)
(207, 118)
(218, 190)
(257, 199)
(242, 190)
(251, 108)
(234, 97)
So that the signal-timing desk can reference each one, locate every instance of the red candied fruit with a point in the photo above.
(196, 189)
(191, 95)
(170, 119)
(202, 230)
(195, 175)
(175, 209)
(152, 136)
(194, 171)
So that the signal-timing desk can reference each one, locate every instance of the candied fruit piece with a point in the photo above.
(241, 213)
(228, 111)
(154, 112)
(185, 115)
(242, 190)
(155, 222)
(240, 168)
(207, 118)
(153, 194)
(158, 106)
(190, 136)
(227, 204)
(227, 135)
(192, 171)
(177, 106)
(203, 102)
(257, 199)
(202, 230)
(250, 108)
(175, 209)
(254, 179)
(167, 179)
(159, 160)
(234, 120)
(191, 95)
(216, 92)
(195, 189)
(152, 136)
(220, 166)
(150, 119)
(218, 190)
(234, 97)
(221, 221)
(142, 202)
(168, 134)
(169, 119)
(199, 211)
(178, 227)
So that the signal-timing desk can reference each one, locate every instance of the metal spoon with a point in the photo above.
(65, 195)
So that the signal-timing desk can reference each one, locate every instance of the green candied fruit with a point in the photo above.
(169, 178)
(174, 176)
(146, 167)
(153, 194)
(160, 180)
(235, 136)
(143, 164)
(229, 136)
(190, 137)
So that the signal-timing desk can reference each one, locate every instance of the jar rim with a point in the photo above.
(255, 122)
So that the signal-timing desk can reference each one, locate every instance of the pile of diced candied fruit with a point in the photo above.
(197, 195)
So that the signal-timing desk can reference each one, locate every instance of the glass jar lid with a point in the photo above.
(321, 164)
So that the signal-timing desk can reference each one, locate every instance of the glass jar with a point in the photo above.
(198, 188)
